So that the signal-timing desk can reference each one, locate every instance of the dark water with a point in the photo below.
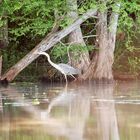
(75, 112)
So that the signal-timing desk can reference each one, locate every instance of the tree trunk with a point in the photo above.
(4, 31)
(44, 45)
(76, 59)
(101, 65)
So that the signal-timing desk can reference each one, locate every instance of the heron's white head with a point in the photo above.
(44, 53)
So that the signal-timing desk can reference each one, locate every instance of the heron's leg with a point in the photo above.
(66, 78)
(73, 76)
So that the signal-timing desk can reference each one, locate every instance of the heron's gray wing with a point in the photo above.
(69, 69)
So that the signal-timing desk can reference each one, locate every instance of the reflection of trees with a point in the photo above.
(75, 107)
(1, 105)
(106, 113)
(80, 109)
(68, 113)
(6, 119)
(13, 95)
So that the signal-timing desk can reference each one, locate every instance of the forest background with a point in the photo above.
(104, 46)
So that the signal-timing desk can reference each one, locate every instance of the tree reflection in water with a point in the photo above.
(1, 106)
(67, 115)
(106, 113)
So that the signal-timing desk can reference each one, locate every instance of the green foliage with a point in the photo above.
(134, 63)
(35, 18)
(9, 60)
(30, 20)
(84, 5)
(31, 17)
(129, 16)
(60, 51)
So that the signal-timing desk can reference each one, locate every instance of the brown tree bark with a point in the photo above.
(4, 31)
(101, 65)
(44, 45)
(76, 59)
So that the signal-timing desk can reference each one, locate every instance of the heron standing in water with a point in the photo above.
(63, 68)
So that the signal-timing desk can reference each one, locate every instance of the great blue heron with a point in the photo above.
(63, 68)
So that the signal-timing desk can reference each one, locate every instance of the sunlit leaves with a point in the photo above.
(32, 17)
(129, 14)
(61, 51)
(84, 5)
(134, 63)
(37, 17)
(1, 23)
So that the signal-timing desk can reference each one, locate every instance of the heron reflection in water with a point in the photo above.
(65, 69)
(70, 120)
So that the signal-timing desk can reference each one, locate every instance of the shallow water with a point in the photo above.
(90, 111)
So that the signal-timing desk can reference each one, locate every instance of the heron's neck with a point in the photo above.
(53, 64)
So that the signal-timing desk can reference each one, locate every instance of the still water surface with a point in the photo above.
(75, 112)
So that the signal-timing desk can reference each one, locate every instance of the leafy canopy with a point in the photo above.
(35, 18)
(32, 17)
